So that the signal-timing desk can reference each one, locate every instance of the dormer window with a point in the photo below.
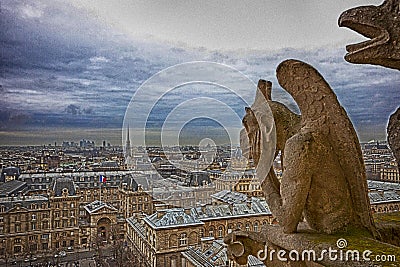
(183, 239)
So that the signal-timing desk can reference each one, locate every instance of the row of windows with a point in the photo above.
(247, 187)
(43, 246)
(183, 239)
(139, 207)
(389, 208)
(211, 232)
(37, 206)
(57, 214)
(75, 178)
(27, 217)
(33, 225)
(44, 237)
(65, 205)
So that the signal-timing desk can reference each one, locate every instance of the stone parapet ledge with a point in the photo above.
(345, 243)
(241, 244)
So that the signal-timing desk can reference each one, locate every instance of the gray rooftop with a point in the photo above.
(198, 258)
(210, 212)
(214, 256)
(64, 183)
(98, 205)
(383, 197)
(385, 186)
(42, 181)
(24, 201)
(133, 222)
(172, 218)
(12, 187)
(230, 197)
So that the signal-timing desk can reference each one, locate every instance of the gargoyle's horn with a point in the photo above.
(392, 5)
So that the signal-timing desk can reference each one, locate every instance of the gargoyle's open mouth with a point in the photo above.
(378, 36)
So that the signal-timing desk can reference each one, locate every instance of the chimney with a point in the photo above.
(160, 206)
(248, 201)
(161, 213)
(231, 207)
(203, 209)
(188, 211)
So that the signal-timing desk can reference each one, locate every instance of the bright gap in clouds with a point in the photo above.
(230, 25)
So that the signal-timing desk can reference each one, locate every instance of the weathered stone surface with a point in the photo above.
(324, 174)
(287, 123)
(307, 240)
(393, 131)
(324, 177)
(382, 25)
(388, 225)
(243, 243)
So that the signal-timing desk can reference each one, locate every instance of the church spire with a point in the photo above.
(128, 145)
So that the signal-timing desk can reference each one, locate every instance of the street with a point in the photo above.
(81, 259)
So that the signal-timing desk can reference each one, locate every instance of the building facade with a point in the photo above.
(161, 238)
(49, 213)
(384, 196)
(390, 173)
(242, 181)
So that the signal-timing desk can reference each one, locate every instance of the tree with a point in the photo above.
(122, 255)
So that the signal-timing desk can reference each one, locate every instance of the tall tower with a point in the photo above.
(128, 153)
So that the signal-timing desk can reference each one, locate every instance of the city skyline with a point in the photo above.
(68, 69)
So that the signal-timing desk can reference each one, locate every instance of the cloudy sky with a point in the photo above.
(68, 70)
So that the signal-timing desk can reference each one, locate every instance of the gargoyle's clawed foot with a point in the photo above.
(241, 244)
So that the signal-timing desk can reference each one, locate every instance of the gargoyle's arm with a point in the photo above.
(271, 188)
(296, 182)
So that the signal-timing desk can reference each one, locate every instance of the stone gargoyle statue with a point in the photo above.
(382, 25)
(393, 133)
(286, 124)
(323, 179)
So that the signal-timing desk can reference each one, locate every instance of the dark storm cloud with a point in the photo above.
(11, 119)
